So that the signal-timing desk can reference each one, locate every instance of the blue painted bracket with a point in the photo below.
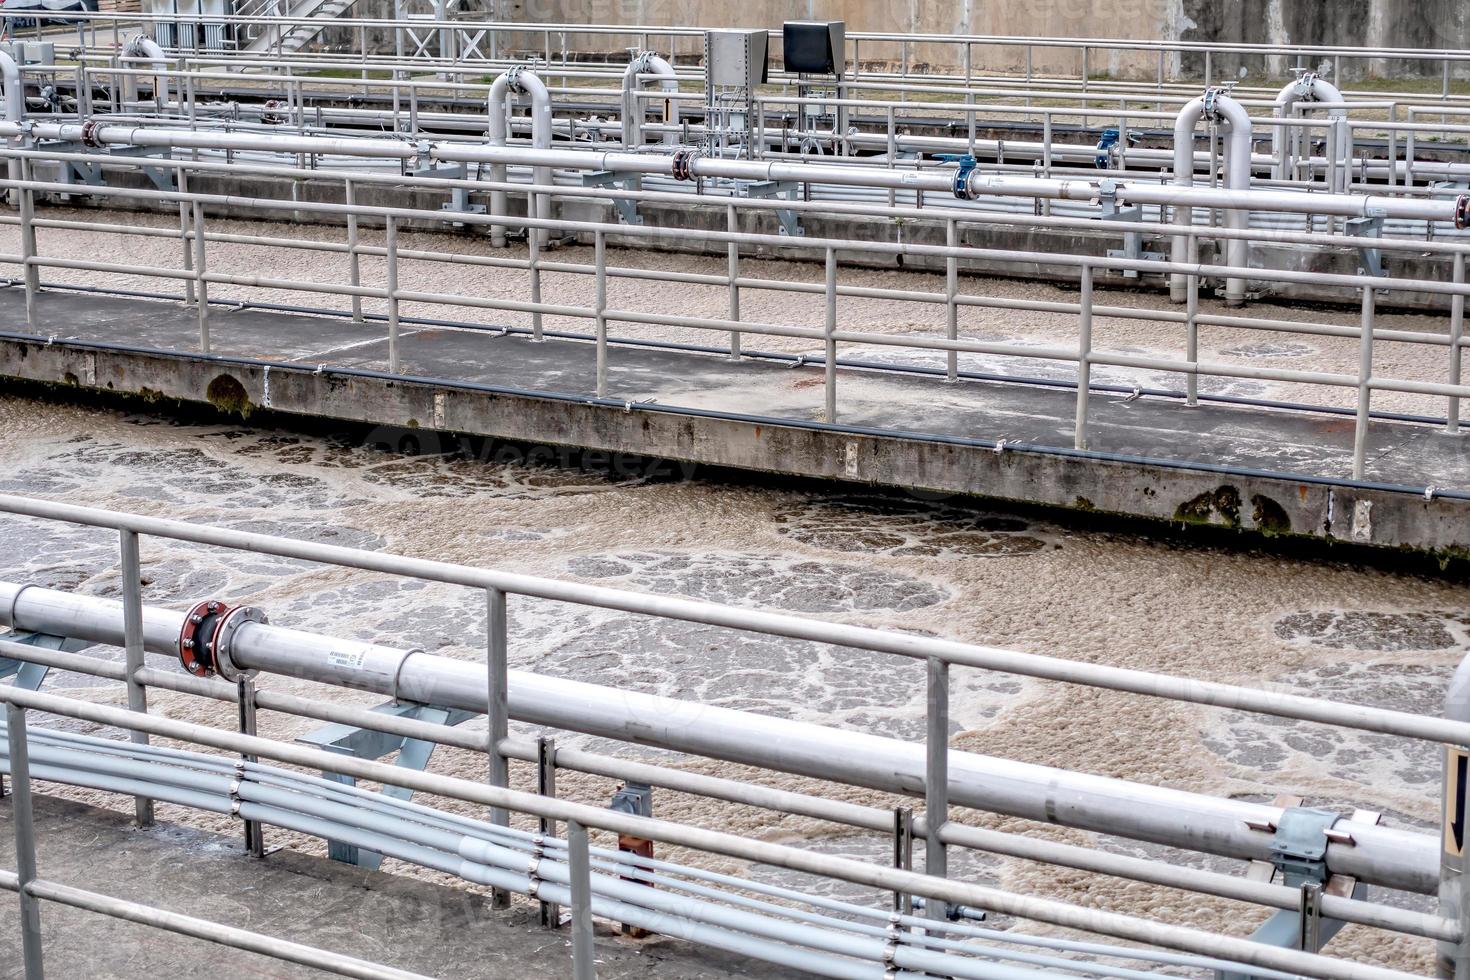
(30, 676)
(365, 743)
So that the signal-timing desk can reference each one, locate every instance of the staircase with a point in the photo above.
(275, 39)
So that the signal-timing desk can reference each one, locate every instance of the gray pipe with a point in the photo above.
(144, 48)
(648, 63)
(1453, 959)
(1393, 858)
(1307, 88)
(1237, 178)
(504, 91)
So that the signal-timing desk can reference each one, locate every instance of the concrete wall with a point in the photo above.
(1385, 23)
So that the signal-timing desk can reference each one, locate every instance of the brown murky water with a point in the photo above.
(937, 567)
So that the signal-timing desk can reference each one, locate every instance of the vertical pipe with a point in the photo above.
(130, 565)
(533, 245)
(25, 840)
(201, 288)
(1453, 959)
(936, 777)
(951, 290)
(550, 912)
(1191, 332)
(1365, 392)
(732, 223)
(31, 273)
(903, 851)
(1457, 333)
(392, 250)
(579, 867)
(1084, 357)
(354, 261)
(497, 714)
(599, 249)
(831, 343)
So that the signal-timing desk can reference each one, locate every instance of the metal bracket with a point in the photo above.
(1107, 195)
(790, 220)
(162, 178)
(29, 676)
(626, 207)
(367, 743)
(1369, 226)
(459, 197)
(1299, 849)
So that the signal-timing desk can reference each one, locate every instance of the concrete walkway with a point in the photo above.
(414, 925)
(1240, 467)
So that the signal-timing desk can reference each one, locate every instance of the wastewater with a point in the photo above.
(1328, 626)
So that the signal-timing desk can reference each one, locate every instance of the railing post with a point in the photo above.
(546, 786)
(245, 700)
(132, 602)
(732, 224)
(354, 261)
(599, 250)
(831, 342)
(392, 249)
(579, 865)
(951, 290)
(1191, 325)
(1365, 389)
(1457, 334)
(936, 778)
(30, 273)
(25, 840)
(497, 703)
(1084, 357)
(201, 288)
(533, 246)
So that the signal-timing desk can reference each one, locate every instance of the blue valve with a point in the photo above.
(966, 166)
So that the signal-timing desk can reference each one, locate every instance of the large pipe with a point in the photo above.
(1237, 178)
(1382, 856)
(648, 63)
(504, 93)
(940, 181)
(143, 48)
(1309, 87)
(13, 95)
(1453, 959)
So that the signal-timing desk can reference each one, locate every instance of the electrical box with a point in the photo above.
(735, 59)
(814, 47)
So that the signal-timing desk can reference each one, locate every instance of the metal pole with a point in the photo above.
(1365, 391)
(1457, 333)
(354, 262)
(546, 786)
(579, 864)
(1084, 358)
(599, 249)
(732, 223)
(903, 852)
(1191, 331)
(497, 717)
(831, 344)
(392, 249)
(533, 244)
(951, 290)
(25, 840)
(132, 602)
(201, 287)
(936, 777)
(30, 273)
(245, 699)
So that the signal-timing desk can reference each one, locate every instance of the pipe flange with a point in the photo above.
(684, 164)
(196, 639)
(1462, 211)
(224, 635)
(89, 134)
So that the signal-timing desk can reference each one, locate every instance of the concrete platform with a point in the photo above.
(414, 925)
(1273, 472)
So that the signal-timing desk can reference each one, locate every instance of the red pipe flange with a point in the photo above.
(196, 639)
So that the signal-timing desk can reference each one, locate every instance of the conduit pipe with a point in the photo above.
(1237, 124)
(143, 48)
(97, 132)
(1382, 856)
(1308, 88)
(648, 63)
(505, 92)
(13, 94)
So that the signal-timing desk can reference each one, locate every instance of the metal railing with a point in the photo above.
(1364, 851)
(198, 275)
